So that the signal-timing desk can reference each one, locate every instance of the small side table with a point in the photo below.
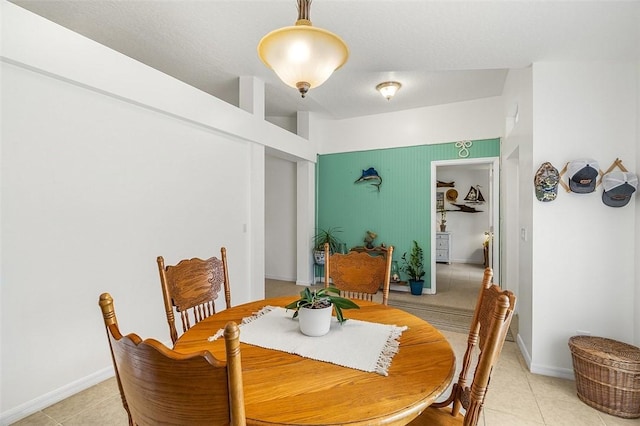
(443, 247)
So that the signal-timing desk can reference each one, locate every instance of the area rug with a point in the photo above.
(442, 317)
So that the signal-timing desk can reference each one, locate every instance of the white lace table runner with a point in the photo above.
(361, 345)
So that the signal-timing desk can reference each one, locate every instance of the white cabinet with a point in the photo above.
(443, 247)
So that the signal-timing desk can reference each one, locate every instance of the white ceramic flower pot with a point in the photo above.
(315, 322)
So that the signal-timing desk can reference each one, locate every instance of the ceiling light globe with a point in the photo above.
(388, 89)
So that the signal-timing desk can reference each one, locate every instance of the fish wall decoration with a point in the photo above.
(371, 176)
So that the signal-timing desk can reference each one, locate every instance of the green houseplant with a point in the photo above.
(414, 267)
(323, 236)
(314, 307)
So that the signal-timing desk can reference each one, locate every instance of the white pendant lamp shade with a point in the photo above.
(303, 56)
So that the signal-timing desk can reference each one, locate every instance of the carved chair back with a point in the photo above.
(191, 288)
(160, 386)
(358, 275)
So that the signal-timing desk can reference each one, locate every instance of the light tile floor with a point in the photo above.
(515, 398)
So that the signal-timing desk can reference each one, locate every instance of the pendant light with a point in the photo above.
(302, 55)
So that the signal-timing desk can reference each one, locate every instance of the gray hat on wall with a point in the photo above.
(618, 188)
(583, 175)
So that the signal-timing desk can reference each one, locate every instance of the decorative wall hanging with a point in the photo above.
(452, 195)
(439, 201)
(370, 175)
(465, 209)
(441, 184)
(546, 182)
(464, 148)
(474, 196)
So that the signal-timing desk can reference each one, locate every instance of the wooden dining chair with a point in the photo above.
(191, 288)
(358, 275)
(160, 386)
(489, 327)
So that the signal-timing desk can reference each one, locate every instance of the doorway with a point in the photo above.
(465, 236)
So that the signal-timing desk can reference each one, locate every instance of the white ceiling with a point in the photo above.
(441, 51)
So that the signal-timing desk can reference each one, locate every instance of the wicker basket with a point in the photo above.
(607, 375)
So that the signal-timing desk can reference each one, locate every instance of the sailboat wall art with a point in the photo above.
(474, 196)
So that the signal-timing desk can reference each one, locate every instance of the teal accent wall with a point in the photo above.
(400, 212)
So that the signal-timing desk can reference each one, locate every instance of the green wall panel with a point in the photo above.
(399, 211)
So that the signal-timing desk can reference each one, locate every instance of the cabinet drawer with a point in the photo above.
(442, 244)
(442, 255)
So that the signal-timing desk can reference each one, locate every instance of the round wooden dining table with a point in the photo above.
(286, 389)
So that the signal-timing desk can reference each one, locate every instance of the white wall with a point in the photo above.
(280, 219)
(516, 201)
(478, 119)
(107, 164)
(94, 190)
(584, 253)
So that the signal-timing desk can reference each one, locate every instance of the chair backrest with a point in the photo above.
(160, 386)
(191, 287)
(358, 275)
(489, 327)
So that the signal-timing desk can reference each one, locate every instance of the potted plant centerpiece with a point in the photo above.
(414, 268)
(325, 236)
(313, 309)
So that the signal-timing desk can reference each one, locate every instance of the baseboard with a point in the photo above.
(404, 288)
(28, 408)
(278, 278)
(479, 262)
(561, 373)
(524, 351)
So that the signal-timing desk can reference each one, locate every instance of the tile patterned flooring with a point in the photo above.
(515, 398)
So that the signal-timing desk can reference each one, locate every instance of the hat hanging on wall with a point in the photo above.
(618, 187)
(583, 175)
(546, 182)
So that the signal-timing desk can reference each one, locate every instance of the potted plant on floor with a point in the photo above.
(313, 309)
(325, 236)
(414, 267)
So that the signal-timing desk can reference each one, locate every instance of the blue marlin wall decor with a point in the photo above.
(370, 175)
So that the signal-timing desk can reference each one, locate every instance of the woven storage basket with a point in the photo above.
(607, 375)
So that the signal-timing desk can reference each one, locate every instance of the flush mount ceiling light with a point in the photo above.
(302, 55)
(388, 89)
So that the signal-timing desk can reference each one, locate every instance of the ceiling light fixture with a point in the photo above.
(388, 89)
(303, 56)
